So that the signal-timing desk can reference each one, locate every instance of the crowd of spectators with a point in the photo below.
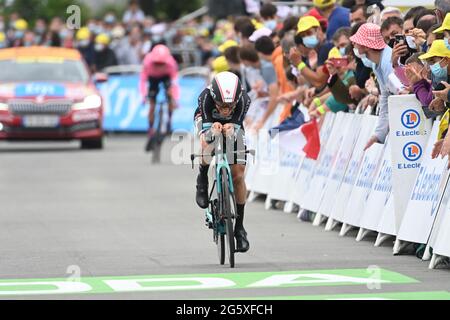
(345, 56)
(337, 56)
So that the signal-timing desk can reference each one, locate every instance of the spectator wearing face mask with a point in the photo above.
(104, 56)
(20, 27)
(29, 39)
(268, 13)
(265, 48)
(417, 77)
(85, 46)
(445, 30)
(3, 40)
(312, 38)
(133, 14)
(130, 48)
(336, 15)
(40, 29)
(370, 47)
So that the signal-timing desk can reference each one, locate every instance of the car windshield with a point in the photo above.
(58, 70)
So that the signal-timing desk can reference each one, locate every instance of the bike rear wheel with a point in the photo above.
(228, 216)
(221, 248)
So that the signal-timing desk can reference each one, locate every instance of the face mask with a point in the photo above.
(83, 43)
(410, 42)
(446, 41)
(18, 34)
(271, 24)
(439, 73)
(99, 47)
(110, 19)
(368, 63)
(39, 30)
(356, 52)
(63, 34)
(353, 24)
(310, 41)
(342, 51)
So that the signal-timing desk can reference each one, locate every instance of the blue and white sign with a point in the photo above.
(125, 111)
(425, 196)
(409, 134)
(34, 89)
(410, 119)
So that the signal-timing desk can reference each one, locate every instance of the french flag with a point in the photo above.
(304, 139)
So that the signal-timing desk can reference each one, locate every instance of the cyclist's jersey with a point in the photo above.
(206, 113)
(149, 71)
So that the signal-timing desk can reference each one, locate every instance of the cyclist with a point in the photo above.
(159, 66)
(222, 107)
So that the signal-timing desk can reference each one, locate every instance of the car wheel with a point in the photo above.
(92, 143)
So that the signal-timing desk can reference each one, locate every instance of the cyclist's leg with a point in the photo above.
(167, 82)
(201, 196)
(240, 190)
(152, 93)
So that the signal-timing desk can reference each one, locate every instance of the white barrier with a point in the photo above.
(305, 171)
(313, 196)
(349, 177)
(409, 133)
(425, 197)
(339, 167)
(378, 209)
(440, 236)
(362, 188)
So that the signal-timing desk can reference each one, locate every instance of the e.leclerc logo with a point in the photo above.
(410, 119)
(412, 151)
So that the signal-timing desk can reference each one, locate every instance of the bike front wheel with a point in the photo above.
(227, 215)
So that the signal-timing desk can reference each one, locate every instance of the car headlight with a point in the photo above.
(90, 102)
(3, 107)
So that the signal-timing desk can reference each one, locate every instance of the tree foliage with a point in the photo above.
(31, 10)
(170, 9)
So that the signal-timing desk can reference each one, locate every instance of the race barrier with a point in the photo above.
(124, 109)
(392, 190)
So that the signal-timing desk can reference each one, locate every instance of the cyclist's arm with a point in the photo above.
(143, 83)
(240, 112)
(205, 107)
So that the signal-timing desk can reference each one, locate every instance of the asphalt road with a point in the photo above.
(111, 213)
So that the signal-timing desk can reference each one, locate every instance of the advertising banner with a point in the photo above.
(440, 239)
(363, 185)
(409, 133)
(125, 111)
(349, 156)
(346, 187)
(387, 222)
(425, 196)
(380, 193)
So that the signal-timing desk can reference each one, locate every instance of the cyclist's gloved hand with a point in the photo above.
(216, 128)
(228, 130)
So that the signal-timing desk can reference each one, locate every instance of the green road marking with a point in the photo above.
(432, 295)
(337, 277)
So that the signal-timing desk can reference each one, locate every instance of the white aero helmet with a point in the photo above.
(226, 89)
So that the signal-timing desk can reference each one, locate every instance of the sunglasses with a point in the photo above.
(225, 106)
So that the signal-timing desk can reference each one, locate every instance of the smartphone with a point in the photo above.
(339, 62)
(400, 38)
